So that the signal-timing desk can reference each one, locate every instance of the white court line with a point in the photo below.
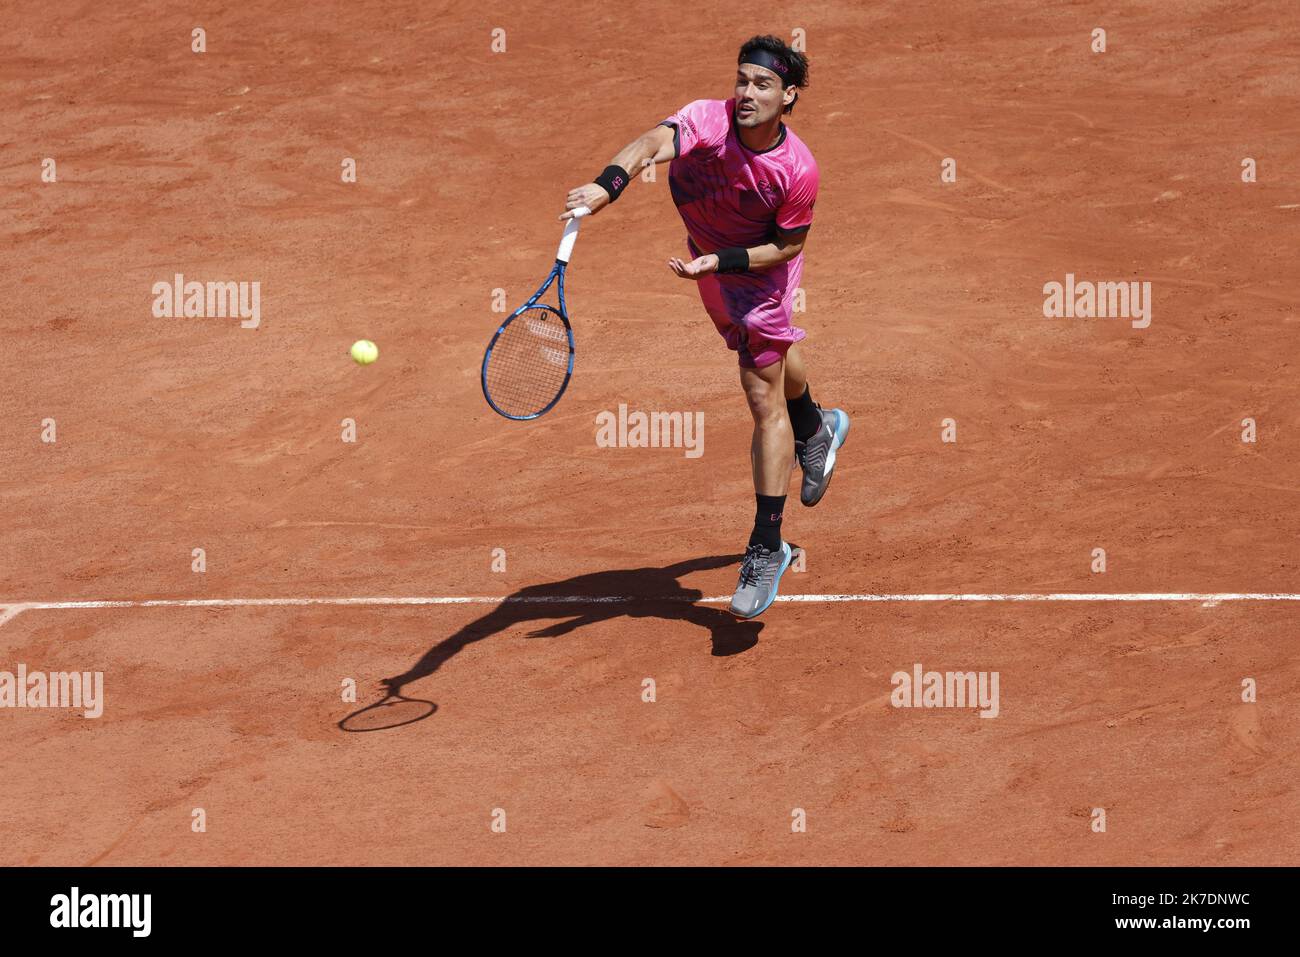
(11, 610)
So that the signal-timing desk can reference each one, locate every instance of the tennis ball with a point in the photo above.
(364, 352)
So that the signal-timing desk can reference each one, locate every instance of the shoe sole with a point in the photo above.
(776, 586)
(841, 436)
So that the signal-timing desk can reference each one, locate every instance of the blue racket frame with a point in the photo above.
(562, 255)
(557, 277)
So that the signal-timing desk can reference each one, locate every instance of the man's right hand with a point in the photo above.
(592, 196)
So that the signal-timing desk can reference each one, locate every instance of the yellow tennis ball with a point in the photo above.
(364, 352)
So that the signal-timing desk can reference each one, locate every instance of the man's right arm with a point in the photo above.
(655, 145)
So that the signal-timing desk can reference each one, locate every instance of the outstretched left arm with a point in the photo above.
(781, 249)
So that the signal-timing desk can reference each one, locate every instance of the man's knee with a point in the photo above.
(766, 402)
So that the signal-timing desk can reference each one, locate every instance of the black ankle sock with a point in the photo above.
(805, 417)
(767, 522)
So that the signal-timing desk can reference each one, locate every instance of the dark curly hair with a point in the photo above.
(796, 61)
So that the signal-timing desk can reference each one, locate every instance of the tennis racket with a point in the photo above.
(529, 361)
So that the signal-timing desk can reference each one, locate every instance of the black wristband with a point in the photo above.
(735, 259)
(613, 180)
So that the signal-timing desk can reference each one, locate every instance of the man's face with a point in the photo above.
(759, 95)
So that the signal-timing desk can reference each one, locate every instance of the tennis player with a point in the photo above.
(745, 186)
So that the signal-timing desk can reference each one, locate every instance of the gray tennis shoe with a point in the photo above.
(817, 455)
(760, 573)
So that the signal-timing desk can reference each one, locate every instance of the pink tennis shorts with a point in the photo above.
(752, 310)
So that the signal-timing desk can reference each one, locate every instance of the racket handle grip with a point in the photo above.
(570, 234)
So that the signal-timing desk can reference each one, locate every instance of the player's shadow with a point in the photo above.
(590, 599)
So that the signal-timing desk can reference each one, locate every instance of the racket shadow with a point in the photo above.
(394, 711)
(649, 593)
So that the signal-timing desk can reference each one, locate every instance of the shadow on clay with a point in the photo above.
(631, 593)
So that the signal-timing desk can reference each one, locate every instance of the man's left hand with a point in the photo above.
(695, 268)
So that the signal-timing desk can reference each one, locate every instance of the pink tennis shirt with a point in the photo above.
(730, 195)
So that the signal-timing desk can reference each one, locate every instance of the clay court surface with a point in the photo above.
(924, 301)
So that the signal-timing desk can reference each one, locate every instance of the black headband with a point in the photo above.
(769, 61)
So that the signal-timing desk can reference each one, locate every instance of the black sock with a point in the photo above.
(767, 522)
(805, 417)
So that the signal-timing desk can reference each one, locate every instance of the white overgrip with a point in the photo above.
(570, 234)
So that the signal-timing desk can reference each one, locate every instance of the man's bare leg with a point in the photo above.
(796, 374)
(772, 448)
(771, 453)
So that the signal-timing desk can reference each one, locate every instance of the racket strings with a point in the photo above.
(529, 364)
